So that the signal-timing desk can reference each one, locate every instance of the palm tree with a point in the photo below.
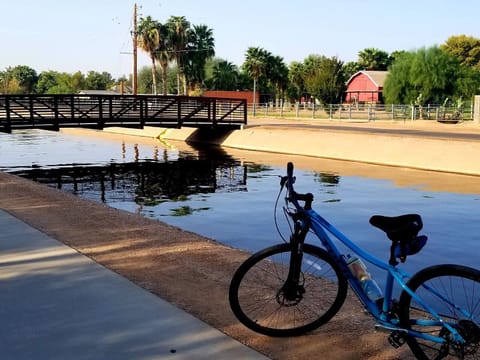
(148, 40)
(179, 28)
(225, 76)
(255, 66)
(296, 76)
(200, 48)
(278, 75)
(373, 59)
(163, 54)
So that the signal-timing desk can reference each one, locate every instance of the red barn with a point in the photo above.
(365, 87)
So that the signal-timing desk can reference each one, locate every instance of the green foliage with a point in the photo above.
(24, 80)
(98, 81)
(148, 35)
(373, 59)
(325, 78)
(255, 65)
(178, 30)
(54, 82)
(296, 83)
(145, 82)
(223, 75)
(186, 210)
(256, 62)
(431, 72)
(77, 81)
(277, 75)
(465, 48)
(20, 79)
(268, 70)
(350, 68)
(200, 48)
(26, 77)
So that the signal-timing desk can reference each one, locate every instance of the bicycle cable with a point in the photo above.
(285, 213)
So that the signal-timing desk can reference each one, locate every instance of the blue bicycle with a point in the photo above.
(294, 287)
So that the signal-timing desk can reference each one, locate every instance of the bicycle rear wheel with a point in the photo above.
(453, 284)
(257, 298)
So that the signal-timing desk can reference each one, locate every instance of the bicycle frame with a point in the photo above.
(322, 228)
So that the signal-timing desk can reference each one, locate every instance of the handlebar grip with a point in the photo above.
(294, 196)
(290, 170)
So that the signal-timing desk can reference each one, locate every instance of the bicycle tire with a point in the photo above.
(256, 300)
(460, 285)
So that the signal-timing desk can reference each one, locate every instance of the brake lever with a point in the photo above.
(284, 179)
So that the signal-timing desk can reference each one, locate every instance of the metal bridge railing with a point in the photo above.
(98, 111)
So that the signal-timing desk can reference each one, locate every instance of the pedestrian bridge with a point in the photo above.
(52, 112)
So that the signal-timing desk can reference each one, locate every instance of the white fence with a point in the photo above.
(367, 112)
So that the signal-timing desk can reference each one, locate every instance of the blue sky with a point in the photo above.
(72, 35)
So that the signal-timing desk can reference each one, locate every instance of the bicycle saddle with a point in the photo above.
(403, 231)
(398, 228)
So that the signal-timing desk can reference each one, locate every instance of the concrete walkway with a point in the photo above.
(58, 304)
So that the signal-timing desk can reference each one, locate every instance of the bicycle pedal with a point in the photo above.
(397, 339)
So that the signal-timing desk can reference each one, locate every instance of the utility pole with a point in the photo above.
(134, 33)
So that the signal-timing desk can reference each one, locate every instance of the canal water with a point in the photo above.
(230, 195)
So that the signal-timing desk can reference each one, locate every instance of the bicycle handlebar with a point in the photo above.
(293, 196)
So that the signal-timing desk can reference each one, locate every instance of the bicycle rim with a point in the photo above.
(257, 300)
(457, 284)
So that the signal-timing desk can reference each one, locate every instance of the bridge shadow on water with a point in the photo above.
(147, 182)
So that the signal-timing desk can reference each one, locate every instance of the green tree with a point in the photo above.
(54, 82)
(145, 80)
(200, 48)
(20, 79)
(148, 32)
(9, 85)
(277, 74)
(26, 78)
(325, 78)
(395, 55)
(224, 76)
(431, 72)
(77, 81)
(296, 82)
(465, 48)
(179, 29)
(98, 81)
(4, 82)
(163, 54)
(397, 88)
(373, 59)
(350, 68)
(255, 66)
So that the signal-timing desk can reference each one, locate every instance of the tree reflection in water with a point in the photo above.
(148, 182)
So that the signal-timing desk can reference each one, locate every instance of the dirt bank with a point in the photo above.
(426, 145)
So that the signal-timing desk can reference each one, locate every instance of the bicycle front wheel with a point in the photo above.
(258, 298)
(453, 291)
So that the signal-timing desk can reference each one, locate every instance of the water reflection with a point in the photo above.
(147, 183)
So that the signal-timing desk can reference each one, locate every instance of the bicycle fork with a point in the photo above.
(291, 293)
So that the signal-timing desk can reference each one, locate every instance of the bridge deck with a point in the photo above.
(52, 112)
